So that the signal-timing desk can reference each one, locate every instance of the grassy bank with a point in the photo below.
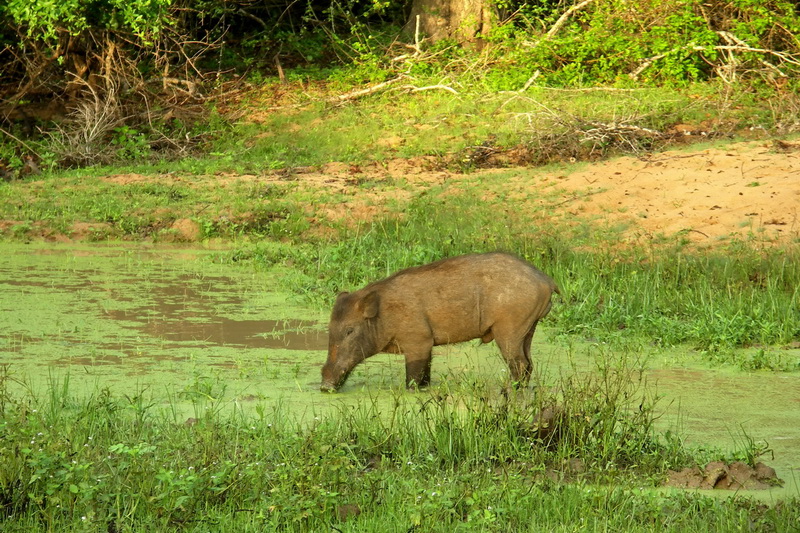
(666, 292)
(730, 293)
(582, 454)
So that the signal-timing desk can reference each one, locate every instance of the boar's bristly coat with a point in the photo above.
(487, 296)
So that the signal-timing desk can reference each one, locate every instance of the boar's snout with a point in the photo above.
(332, 377)
(328, 387)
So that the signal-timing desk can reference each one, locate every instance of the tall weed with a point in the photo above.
(452, 458)
(738, 296)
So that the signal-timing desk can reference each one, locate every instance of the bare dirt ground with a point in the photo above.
(747, 189)
(742, 188)
(719, 475)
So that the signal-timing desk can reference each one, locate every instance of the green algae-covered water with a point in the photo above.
(162, 319)
(171, 323)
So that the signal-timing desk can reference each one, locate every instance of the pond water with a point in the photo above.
(151, 317)
(173, 323)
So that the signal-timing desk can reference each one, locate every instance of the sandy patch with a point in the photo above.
(186, 230)
(127, 179)
(741, 189)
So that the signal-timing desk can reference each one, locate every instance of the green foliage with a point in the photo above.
(609, 40)
(10, 158)
(130, 144)
(655, 43)
(45, 20)
(664, 43)
(444, 460)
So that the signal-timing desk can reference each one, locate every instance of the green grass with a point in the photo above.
(147, 209)
(438, 123)
(449, 459)
(454, 458)
(739, 294)
(547, 121)
(667, 294)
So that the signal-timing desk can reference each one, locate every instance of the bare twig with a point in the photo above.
(589, 89)
(278, 66)
(731, 39)
(352, 95)
(249, 15)
(416, 34)
(191, 87)
(413, 89)
(530, 81)
(20, 141)
(602, 129)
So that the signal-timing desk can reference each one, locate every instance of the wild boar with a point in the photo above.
(487, 296)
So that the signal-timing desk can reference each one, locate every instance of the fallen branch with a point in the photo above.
(588, 89)
(411, 88)
(731, 39)
(191, 87)
(787, 58)
(530, 81)
(621, 135)
(602, 129)
(565, 16)
(352, 95)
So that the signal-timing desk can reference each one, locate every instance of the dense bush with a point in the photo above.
(143, 73)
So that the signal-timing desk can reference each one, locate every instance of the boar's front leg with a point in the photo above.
(418, 364)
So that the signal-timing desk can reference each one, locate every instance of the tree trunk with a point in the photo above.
(462, 20)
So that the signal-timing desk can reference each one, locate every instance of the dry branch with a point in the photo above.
(565, 16)
(352, 95)
(413, 89)
(739, 46)
(20, 142)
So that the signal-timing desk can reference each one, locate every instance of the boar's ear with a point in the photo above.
(341, 295)
(368, 305)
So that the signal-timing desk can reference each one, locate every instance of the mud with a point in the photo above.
(721, 476)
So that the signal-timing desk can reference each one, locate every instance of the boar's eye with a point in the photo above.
(349, 331)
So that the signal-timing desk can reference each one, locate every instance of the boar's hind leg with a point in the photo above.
(516, 352)
(526, 343)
